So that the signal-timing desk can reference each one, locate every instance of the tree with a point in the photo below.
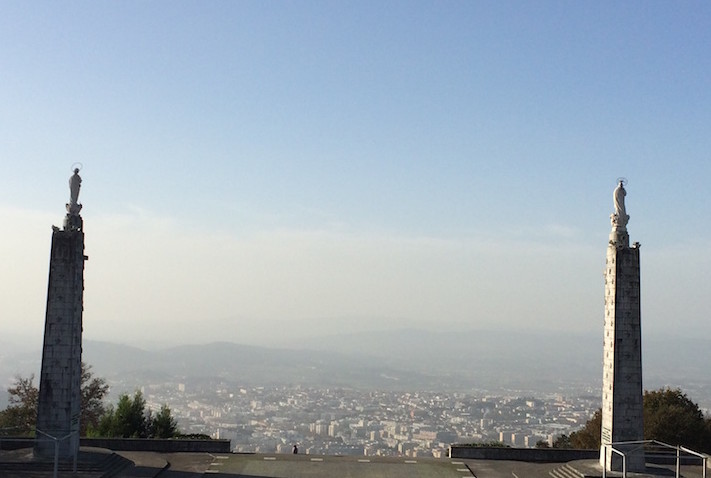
(127, 420)
(163, 425)
(562, 441)
(589, 436)
(20, 417)
(671, 417)
(93, 391)
(131, 419)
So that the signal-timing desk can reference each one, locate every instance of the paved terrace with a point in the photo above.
(206, 465)
(187, 465)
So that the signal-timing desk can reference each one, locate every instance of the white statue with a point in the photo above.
(620, 217)
(74, 186)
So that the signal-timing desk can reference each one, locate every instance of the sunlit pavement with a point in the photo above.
(195, 465)
(297, 466)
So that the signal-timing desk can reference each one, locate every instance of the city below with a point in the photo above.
(435, 390)
(341, 421)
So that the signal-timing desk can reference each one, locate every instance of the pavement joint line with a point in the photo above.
(269, 458)
(410, 462)
(222, 457)
(316, 459)
(457, 463)
(462, 469)
(363, 461)
(215, 463)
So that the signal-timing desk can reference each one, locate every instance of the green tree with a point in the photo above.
(93, 391)
(20, 417)
(127, 420)
(131, 419)
(671, 417)
(163, 425)
(589, 436)
(562, 441)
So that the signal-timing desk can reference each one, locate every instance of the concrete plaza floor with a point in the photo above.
(302, 466)
(228, 465)
(297, 466)
(188, 465)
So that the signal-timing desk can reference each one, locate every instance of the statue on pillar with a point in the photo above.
(73, 220)
(74, 186)
(620, 218)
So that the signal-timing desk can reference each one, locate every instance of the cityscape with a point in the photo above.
(342, 421)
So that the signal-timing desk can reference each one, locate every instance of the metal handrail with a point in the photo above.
(604, 460)
(56, 450)
(672, 449)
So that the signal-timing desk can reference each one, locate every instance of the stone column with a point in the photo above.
(622, 351)
(60, 378)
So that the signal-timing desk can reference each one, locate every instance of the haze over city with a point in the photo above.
(258, 172)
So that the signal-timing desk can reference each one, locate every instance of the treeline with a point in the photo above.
(130, 418)
(669, 417)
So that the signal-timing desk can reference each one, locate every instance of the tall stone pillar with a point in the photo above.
(622, 352)
(60, 378)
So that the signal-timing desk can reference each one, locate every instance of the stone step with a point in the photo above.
(566, 471)
(556, 473)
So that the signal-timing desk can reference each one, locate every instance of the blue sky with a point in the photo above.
(258, 170)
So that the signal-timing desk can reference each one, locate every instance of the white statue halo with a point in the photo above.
(77, 165)
(622, 180)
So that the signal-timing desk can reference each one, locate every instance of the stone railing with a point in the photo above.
(159, 445)
(533, 455)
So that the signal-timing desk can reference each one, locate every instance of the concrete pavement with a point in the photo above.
(195, 465)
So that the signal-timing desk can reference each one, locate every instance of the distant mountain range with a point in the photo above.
(238, 364)
(412, 359)
(399, 359)
(517, 359)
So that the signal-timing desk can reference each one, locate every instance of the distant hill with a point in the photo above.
(407, 358)
(480, 358)
(243, 364)
(531, 359)
(400, 359)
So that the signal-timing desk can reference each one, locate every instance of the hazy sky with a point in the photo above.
(254, 171)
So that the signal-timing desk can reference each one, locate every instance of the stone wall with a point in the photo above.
(159, 445)
(532, 455)
(132, 444)
(16, 443)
